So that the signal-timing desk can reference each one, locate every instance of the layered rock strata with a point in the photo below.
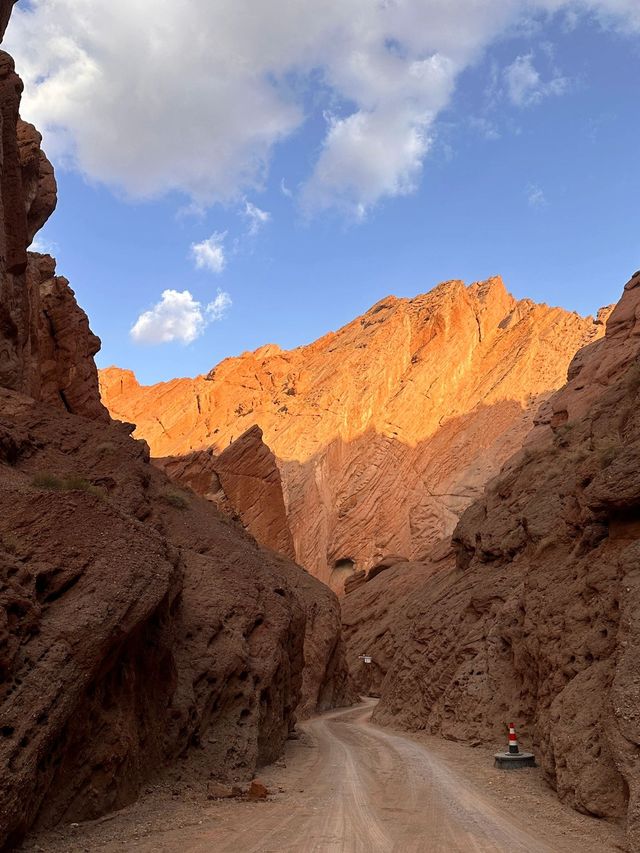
(383, 431)
(243, 480)
(537, 622)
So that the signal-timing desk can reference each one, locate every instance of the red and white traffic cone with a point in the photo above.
(514, 759)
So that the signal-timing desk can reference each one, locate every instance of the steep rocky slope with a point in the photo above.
(141, 631)
(243, 480)
(384, 431)
(538, 620)
(377, 615)
(136, 626)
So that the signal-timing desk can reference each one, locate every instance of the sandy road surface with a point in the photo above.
(375, 791)
(348, 786)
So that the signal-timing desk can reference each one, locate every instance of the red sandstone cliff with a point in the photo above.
(383, 431)
(244, 484)
(243, 480)
(538, 620)
(138, 625)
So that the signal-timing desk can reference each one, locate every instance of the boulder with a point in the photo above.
(257, 790)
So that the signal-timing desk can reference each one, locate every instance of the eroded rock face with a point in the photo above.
(384, 431)
(138, 625)
(244, 484)
(243, 480)
(63, 372)
(46, 346)
(538, 621)
(39, 187)
(377, 616)
(134, 628)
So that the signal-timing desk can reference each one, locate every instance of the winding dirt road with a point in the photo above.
(349, 786)
(375, 791)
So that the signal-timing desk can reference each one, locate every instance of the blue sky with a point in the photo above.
(527, 166)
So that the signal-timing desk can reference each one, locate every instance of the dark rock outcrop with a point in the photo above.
(39, 186)
(6, 7)
(136, 626)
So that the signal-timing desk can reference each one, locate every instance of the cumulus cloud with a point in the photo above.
(257, 218)
(194, 97)
(525, 85)
(366, 156)
(210, 254)
(178, 317)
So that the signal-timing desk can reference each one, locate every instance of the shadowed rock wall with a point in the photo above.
(143, 634)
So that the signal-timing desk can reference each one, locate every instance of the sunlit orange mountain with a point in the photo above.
(383, 431)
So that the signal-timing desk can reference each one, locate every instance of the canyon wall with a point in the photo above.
(383, 431)
(537, 621)
(143, 633)
(377, 614)
(243, 481)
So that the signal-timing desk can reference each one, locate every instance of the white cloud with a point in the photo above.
(217, 309)
(178, 317)
(43, 246)
(525, 85)
(210, 254)
(366, 156)
(536, 196)
(284, 189)
(257, 218)
(194, 97)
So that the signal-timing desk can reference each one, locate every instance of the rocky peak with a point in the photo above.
(384, 430)
(243, 482)
(46, 346)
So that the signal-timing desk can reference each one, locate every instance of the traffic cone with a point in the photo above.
(514, 759)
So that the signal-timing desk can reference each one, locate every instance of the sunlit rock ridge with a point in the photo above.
(385, 430)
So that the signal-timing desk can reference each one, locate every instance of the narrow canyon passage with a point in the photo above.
(349, 786)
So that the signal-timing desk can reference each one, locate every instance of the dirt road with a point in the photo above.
(349, 786)
(375, 791)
